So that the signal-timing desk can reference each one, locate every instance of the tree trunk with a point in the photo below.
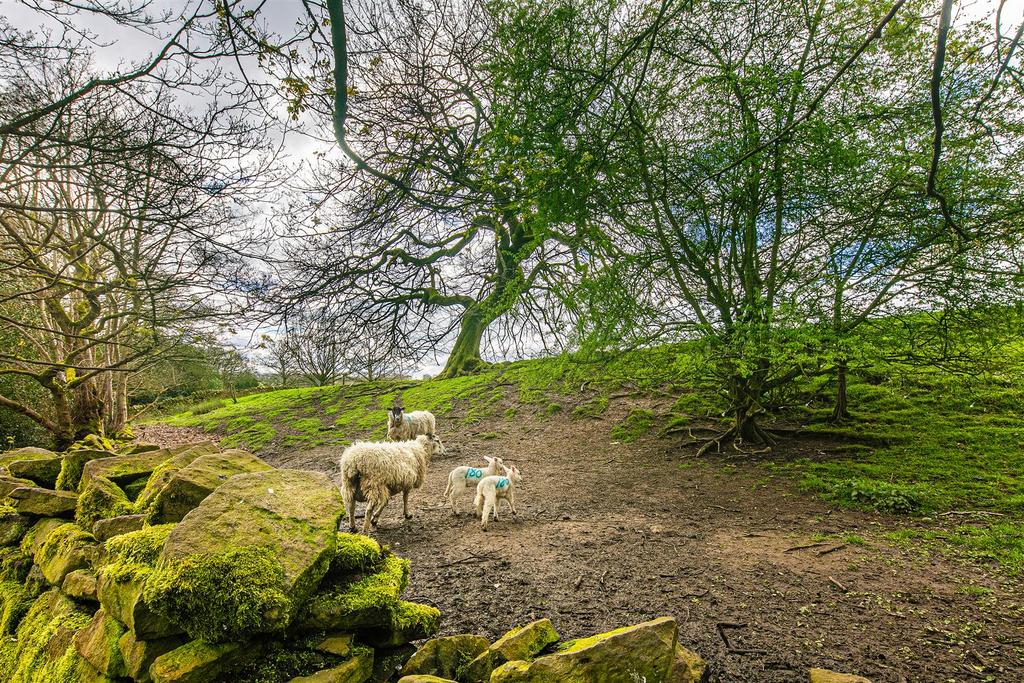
(840, 411)
(465, 356)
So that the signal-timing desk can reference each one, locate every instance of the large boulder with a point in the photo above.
(194, 662)
(124, 469)
(45, 635)
(43, 502)
(97, 644)
(12, 525)
(14, 602)
(190, 485)
(72, 463)
(80, 584)
(643, 652)
(9, 483)
(424, 678)
(249, 555)
(368, 602)
(443, 657)
(180, 457)
(523, 642)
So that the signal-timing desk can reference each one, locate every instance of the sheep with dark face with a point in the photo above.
(403, 426)
(375, 471)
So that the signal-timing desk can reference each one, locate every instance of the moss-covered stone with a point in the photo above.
(366, 603)
(338, 644)
(37, 534)
(424, 678)
(44, 637)
(42, 471)
(190, 485)
(355, 553)
(65, 549)
(222, 596)
(641, 652)
(30, 500)
(520, 643)
(357, 669)
(409, 621)
(139, 655)
(141, 447)
(13, 525)
(123, 469)
(387, 662)
(291, 515)
(101, 499)
(97, 644)
(14, 602)
(26, 453)
(80, 585)
(9, 483)
(14, 564)
(105, 529)
(443, 657)
(72, 463)
(687, 667)
(194, 662)
(35, 582)
(826, 676)
(122, 580)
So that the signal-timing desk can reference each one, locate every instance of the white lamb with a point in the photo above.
(403, 426)
(375, 471)
(490, 489)
(461, 478)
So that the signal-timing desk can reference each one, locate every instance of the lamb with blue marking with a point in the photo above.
(461, 478)
(495, 487)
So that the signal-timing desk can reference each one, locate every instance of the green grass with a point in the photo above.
(920, 442)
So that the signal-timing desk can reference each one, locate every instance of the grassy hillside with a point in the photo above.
(920, 443)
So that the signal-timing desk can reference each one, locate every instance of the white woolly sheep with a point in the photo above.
(375, 471)
(403, 426)
(490, 489)
(461, 478)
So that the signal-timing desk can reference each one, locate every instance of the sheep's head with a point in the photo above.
(395, 415)
(513, 473)
(432, 443)
(495, 465)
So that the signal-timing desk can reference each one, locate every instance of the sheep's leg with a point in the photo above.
(350, 506)
(511, 506)
(512, 502)
(377, 501)
(405, 504)
(486, 516)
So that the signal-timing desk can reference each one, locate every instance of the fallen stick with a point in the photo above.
(804, 547)
(984, 513)
(837, 584)
(826, 551)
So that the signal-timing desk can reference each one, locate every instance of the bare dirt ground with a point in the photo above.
(610, 534)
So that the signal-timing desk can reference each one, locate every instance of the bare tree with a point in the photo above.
(279, 354)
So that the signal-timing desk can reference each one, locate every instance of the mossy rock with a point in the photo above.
(65, 549)
(39, 502)
(141, 447)
(124, 469)
(369, 602)
(80, 585)
(190, 485)
(73, 462)
(179, 458)
(44, 638)
(36, 536)
(13, 526)
(195, 662)
(337, 644)
(826, 676)
(14, 602)
(9, 483)
(687, 667)
(42, 471)
(26, 453)
(521, 643)
(355, 554)
(105, 529)
(357, 669)
(424, 678)
(387, 662)
(36, 583)
(121, 582)
(443, 657)
(97, 644)
(101, 499)
(635, 653)
(139, 655)
(14, 564)
(409, 621)
(282, 523)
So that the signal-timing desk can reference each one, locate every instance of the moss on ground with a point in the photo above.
(637, 423)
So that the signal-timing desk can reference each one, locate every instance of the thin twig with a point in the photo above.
(804, 547)
(826, 551)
